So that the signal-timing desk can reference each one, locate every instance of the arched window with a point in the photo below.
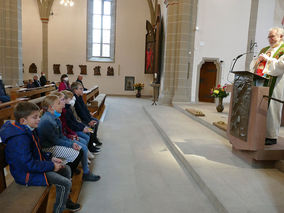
(101, 30)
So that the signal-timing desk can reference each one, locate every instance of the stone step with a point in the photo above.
(229, 183)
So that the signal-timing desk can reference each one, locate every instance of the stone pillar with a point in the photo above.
(11, 42)
(177, 74)
(44, 7)
(251, 31)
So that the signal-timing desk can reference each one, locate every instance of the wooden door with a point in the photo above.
(208, 75)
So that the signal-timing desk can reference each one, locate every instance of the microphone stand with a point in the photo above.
(235, 59)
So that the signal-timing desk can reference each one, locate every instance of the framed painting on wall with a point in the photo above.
(129, 83)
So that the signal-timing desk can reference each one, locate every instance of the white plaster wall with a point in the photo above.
(31, 36)
(67, 43)
(223, 30)
(265, 21)
(279, 12)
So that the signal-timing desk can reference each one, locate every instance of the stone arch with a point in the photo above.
(204, 60)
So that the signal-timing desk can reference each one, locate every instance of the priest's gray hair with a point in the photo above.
(278, 30)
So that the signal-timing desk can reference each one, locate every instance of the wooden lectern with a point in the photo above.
(247, 119)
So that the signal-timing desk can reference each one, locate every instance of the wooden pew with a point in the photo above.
(31, 92)
(19, 198)
(90, 94)
(97, 105)
(7, 109)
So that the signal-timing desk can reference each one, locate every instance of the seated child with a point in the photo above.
(83, 112)
(28, 164)
(53, 140)
(73, 124)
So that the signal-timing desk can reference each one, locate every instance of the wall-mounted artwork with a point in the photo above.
(69, 69)
(83, 69)
(153, 44)
(33, 68)
(97, 70)
(110, 71)
(56, 68)
(129, 83)
(149, 49)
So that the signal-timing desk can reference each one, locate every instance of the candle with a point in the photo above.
(155, 75)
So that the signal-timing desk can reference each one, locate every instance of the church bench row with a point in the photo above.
(35, 199)
(17, 95)
(97, 105)
(7, 109)
(31, 92)
(18, 198)
(90, 94)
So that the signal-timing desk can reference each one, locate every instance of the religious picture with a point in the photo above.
(149, 49)
(129, 82)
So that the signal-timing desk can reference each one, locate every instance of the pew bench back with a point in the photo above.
(19, 198)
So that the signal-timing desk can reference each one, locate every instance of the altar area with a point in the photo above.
(231, 183)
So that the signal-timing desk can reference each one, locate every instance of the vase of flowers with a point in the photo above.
(219, 92)
(138, 87)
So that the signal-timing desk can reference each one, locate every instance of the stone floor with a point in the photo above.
(230, 183)
(139, 173)
(158, 159)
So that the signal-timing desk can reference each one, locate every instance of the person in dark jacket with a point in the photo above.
(3, 95)
(42, 79)
(36, 82)
(81, 129)
(79, 79)
(30, 84)
(83, 112)
(28, 164)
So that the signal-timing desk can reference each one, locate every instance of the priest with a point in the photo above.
(270, 63)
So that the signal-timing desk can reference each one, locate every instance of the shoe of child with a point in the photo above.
(71, 206)
(91, 177)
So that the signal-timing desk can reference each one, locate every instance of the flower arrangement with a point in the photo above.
(219, 91)
(138, 86)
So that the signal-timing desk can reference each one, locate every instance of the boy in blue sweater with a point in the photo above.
(28, 164)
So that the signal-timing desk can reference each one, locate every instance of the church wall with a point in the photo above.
(221, 35)
(279, 12)
(67, 44)
(265, 21)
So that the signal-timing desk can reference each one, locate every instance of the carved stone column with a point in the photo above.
(44, 7)
(11, 41)
(177, 74)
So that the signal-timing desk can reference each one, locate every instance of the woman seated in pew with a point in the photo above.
(74, 125)
(28, 164)
(53, 140)
(64, 83)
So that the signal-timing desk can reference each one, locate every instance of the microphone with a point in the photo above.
(236, 58)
